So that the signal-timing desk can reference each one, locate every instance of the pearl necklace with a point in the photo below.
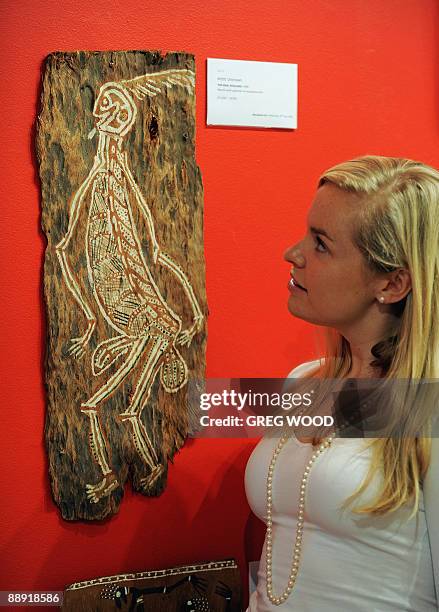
(299, 528)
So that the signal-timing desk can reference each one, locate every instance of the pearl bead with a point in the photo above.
(300, 521)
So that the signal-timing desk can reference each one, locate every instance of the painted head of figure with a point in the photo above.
(114, 110)
(370, 260)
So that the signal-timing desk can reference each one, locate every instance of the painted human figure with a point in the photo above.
(125, 294)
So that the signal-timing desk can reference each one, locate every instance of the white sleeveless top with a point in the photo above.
(349, 563)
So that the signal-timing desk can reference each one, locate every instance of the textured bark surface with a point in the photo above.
(160, 155)
(214, 586)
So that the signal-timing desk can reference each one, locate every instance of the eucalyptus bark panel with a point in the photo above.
(159, 150)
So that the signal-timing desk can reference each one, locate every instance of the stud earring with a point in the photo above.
(381, 299)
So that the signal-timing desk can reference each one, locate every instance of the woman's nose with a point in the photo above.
(294, 255)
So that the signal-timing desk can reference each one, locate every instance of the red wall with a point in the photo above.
(368, 83)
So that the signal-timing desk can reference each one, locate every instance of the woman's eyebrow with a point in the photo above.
(318, 230)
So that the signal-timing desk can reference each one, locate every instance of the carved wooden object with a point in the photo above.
(124, 271)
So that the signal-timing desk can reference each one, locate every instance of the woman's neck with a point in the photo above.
(361, 342)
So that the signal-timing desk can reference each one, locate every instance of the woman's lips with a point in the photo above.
(292, 285)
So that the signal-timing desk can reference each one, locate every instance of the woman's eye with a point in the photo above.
(320, 246)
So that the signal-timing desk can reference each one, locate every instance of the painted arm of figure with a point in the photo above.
(185, 337)
(143, 207)
(77, 344)
(150, 85)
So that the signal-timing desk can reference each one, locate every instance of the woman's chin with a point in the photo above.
(295, 304)
(296, 310)
(300, 312)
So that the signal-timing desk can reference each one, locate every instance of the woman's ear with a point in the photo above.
(395, 286)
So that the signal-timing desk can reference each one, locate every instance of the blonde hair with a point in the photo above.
(397, 226)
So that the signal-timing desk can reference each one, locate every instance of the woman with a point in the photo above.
(353, 525)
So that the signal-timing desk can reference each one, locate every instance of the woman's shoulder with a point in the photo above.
(305, 368)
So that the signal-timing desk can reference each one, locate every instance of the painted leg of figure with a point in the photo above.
(99, 452)
(155, 351)
(119, 375)
(99, 448)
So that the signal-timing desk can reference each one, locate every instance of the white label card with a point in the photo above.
(254, 94)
